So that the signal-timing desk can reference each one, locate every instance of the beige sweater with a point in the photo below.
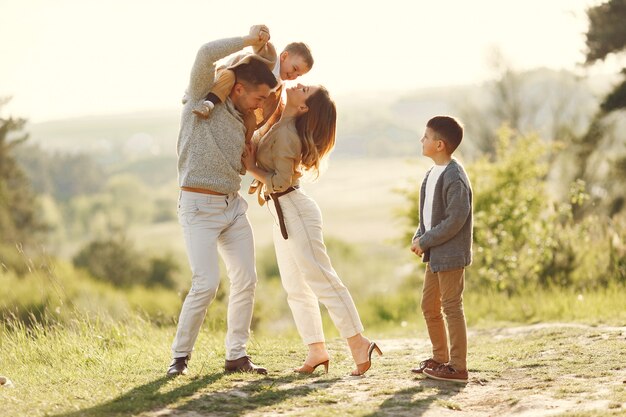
(279, 152)
(209, 151)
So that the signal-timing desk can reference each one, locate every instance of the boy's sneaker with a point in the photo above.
(445, 372)
(427, 364)
(204, 109)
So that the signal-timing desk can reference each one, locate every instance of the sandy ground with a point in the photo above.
(395, 391)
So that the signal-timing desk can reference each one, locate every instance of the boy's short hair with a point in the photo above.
(449, 130)
(255, 72)
(302, 49)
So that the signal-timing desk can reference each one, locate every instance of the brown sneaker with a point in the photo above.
(427, 364)
(445, 372)
(243, 364)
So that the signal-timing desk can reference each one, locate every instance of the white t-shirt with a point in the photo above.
(276, 72)
(434, 175)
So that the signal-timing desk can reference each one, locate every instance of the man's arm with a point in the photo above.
(203, 71)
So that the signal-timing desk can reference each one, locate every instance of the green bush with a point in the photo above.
(116, 261)
(53, 291)
(524, 237)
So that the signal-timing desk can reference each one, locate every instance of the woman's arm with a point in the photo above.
(286, 154)
(249, 161)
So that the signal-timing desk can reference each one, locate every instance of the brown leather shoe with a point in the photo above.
(447, 373)
(427, 364)
(243, 364)
(178, 366)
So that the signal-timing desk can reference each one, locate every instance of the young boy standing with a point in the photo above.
(444, 240)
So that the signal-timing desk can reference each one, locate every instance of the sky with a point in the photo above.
(71, 58)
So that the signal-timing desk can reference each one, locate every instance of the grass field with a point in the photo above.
(357, 197)
(546, 351)
(118, 370)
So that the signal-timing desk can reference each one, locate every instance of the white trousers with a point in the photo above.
(306, 272)
(210, 224)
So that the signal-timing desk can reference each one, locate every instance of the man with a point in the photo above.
(210, 210)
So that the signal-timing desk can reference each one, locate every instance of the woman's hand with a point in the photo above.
(249, 122)
(249, 156)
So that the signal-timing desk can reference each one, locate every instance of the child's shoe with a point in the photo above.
(445, 372)
(426, 364)
(204, 109)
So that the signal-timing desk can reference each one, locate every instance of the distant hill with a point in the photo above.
(130, 134)
(384, 124)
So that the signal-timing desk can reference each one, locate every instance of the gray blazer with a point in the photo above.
(448, 244)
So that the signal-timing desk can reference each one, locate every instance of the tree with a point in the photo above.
(557, 105)
(63, 175)
(19, 221)
(606, 35)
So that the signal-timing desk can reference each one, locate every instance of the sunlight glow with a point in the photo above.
(71, 58)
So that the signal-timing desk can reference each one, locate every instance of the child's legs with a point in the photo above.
(224, 82)
(451, 284)
(431, 308)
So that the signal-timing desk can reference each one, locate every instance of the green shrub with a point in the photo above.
(112, 260)
(524, 238)
(115, 260)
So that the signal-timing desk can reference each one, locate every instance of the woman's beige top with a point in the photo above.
(279, 152)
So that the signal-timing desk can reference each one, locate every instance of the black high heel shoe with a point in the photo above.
(361, 368)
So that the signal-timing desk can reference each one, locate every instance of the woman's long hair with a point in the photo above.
(316, 129)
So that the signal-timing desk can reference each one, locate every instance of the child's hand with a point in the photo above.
(258, 36)
(416, 249)
(264, 34)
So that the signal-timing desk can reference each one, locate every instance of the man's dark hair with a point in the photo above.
(448, 129)
(301, 49)
(255, 73)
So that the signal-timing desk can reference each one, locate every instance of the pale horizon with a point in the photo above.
(73, 58)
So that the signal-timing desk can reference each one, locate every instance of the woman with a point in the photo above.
(303, 135)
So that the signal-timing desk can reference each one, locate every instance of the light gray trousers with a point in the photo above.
(210, 224)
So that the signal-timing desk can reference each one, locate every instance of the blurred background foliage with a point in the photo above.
(85, 229)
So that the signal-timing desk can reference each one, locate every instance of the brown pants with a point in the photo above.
(443, 291)
(224, 82)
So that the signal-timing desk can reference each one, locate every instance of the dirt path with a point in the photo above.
(539, 370)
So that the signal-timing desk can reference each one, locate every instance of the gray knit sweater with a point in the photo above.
(209, 151)
(448, 244)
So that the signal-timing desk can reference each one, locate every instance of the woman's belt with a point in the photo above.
(279, 211)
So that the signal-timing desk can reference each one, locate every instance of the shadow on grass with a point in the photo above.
(235, 397)
(245, 396)
(403, 402)
(145, 397)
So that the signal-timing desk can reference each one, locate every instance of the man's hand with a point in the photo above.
(258, 36)
(416, 249)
